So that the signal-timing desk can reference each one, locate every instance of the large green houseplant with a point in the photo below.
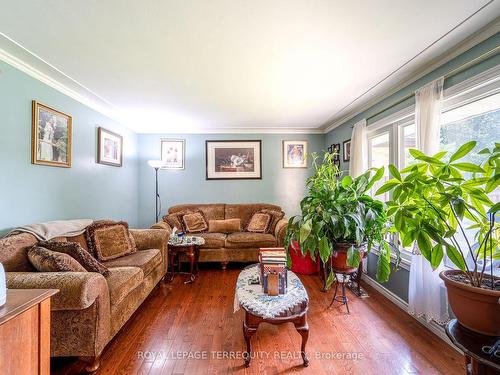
(338, 215)
(441, 203)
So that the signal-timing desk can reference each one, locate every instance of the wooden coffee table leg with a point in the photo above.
(191, 256)
(303, 329)
(248, 332)
(171, 260)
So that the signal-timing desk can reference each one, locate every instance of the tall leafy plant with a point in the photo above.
(441, 202)
(338, 209)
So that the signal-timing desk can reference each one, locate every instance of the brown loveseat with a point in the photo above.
(89, 309)
(237, 247)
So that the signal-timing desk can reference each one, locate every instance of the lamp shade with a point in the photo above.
(156, 163)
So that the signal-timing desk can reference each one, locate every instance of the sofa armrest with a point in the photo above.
(77, 290)
(280, 231)
(150, 238)
(162, 225)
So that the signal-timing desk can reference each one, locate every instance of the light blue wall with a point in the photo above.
(398, 284)
(34, 193)
(284, 187)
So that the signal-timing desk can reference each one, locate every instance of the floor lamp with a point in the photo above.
(156, 164)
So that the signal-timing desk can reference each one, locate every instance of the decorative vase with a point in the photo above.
(475, 308)
(3, 287)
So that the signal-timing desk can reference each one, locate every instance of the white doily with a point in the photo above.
(251, 296)
(186, 241)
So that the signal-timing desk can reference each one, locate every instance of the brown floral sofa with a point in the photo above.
(89, 309)
(237, 247)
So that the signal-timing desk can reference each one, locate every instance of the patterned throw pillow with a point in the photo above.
(173, 221)
(194, 222)
(275, 217)
(109, 240)
(45, 260)
(259, 223)
(77, 252)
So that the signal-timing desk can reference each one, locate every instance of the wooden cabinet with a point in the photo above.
(25, 332)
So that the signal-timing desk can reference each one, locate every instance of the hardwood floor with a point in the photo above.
(179, 320)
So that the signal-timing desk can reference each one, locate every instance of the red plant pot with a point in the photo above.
(303, 265)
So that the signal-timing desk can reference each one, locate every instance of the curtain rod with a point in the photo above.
(451, 73)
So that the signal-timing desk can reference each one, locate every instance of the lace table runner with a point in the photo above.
(251, 296)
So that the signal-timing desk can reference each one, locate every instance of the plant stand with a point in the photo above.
(342, 298)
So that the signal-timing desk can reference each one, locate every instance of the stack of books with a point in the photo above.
(273, 272)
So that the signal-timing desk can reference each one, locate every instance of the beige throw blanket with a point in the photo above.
(52, 229)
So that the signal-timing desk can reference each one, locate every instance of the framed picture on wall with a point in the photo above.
(233, 160)
(173, 153)
(336, 162)
(50, 136)
(109, 148)
(347, 150)
(294, 154)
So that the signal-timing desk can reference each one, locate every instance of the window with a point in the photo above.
(471, 111)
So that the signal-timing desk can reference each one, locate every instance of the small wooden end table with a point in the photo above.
(294, 309)
(471, 344)
(188, 246)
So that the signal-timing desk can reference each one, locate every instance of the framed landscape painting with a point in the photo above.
(233, 160)
(109, 148)
(50, 136)
(173, 153)
(294, 154)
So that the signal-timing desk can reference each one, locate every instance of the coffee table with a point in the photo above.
(261, 308)
(189, 246)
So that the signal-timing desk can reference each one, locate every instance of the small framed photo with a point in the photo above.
(347, 150)
(109, 148)
(50, 136)
(336, 151)
(336, 162)
(233, 160)
(173, 153)
(330, 150)
(294, 154)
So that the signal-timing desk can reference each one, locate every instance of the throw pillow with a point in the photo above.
(194, 222)
(77, 252)
(109, 240)
(259, 223)
(45, 260)
(224, 226)
(173, 220)
(275, 217)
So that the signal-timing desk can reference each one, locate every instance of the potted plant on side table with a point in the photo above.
(340, 221)
(442, 204)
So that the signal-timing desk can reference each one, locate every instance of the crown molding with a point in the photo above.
(473, 40)
(248, 130)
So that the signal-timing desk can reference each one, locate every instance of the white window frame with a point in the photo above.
(470, 90)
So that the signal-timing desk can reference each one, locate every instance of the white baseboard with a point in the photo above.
(403, 305)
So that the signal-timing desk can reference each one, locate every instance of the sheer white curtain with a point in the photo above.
(359, 152)
(426, 296)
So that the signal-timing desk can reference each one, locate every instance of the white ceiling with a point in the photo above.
(202, 65)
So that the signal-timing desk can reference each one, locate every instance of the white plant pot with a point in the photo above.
(3, 287)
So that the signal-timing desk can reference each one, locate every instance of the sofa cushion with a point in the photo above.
(45, 260)
(109, 240)
(121, 281)
(250, 240)
(147, 260)
(224, 226)
(213, 240)
(76, 251)
(276, 215)
(259, 223)
(81, 239)
(13, 252)
(210, 211)
(245, 211)
(194, 222)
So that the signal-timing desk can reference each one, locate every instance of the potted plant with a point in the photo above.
(441, 203)
(339, 220)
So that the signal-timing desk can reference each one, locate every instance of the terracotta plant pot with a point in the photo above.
(339, 257)
(477, 309)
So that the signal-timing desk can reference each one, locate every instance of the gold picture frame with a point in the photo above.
(51, 136)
